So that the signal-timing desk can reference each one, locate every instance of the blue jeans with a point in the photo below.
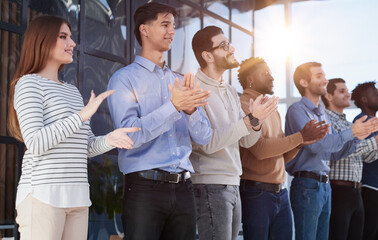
(155, 210)
(218, 211)
(265, 215)
(311, 204)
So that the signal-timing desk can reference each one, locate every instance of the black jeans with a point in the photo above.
(370, 198)
(347, 213)
(154, 210)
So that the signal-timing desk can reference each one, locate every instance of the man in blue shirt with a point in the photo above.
(365, 97)
(310, 192)
(158, 199)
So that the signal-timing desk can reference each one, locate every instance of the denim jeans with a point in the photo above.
(266, 215)
(218, 211)
(311, 204)
(154, 210)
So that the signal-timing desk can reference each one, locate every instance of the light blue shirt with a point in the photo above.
(142, 99)
(314, 157)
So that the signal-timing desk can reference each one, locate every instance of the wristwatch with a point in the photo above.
(254, 121)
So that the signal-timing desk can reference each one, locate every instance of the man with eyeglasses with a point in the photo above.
(217, 165)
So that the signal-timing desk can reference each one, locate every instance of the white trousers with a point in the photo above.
(41, 221)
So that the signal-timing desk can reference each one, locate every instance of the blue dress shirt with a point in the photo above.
(314, 157)
(142, 99)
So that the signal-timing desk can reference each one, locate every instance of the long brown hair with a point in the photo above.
(39, 40)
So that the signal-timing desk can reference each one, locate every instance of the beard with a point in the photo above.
(227, 62)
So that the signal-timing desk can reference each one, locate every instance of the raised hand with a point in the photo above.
(119, 139)
(314, 131)
(188, 97)
(362, 129)
(263, 107)
(94, 102)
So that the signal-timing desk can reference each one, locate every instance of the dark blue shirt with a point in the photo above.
(369, 170)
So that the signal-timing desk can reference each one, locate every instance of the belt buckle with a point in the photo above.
(326, 178)
(178, 177)
(279, 188)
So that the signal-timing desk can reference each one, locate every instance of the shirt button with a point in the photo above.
(173, 153)
(165, 97)
(174, 166)
(162, 78)
(170, 135)
(196, 133)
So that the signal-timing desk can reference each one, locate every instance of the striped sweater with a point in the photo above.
(58, 142)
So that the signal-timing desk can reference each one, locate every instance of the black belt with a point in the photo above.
(305, 174)
(267, 187)
(346, 183)
(162, 176)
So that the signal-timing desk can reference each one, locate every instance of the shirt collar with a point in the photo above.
(336, 114)
(310, 105)
(208, 80)
(251, 93)
(149, 65)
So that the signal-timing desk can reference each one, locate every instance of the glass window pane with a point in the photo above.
(243, 50)
(282, 108)
(10, 164)
(97, 73)
(69, 11)
(241, 13)
(219, 7)
(105, 26)
(10, 54)
(346, 46)
(271, 44)
(351, 113)
(106, 183)
(182, 55)
(10, 11)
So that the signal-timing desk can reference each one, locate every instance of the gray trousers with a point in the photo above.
(218, 211)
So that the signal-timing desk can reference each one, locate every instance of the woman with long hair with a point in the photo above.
(49, 116)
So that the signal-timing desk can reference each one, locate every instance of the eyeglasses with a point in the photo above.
(224, 45)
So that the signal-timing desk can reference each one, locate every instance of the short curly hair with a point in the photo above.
(360, 91)
(246, 67)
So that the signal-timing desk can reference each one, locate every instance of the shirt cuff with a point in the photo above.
(169, 110)
(195, 116)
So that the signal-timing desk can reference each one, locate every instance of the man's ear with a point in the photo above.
(329, 97)
(207, 56)
(143, 30)
(364, 99)
(303, 83)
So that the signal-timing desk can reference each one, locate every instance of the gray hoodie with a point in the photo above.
(219, 161)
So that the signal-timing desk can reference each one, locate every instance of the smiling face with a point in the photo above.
(261, 79)
(340, 98)
(62, 53)
(159, 34)
(223, 59)
(318, 83)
